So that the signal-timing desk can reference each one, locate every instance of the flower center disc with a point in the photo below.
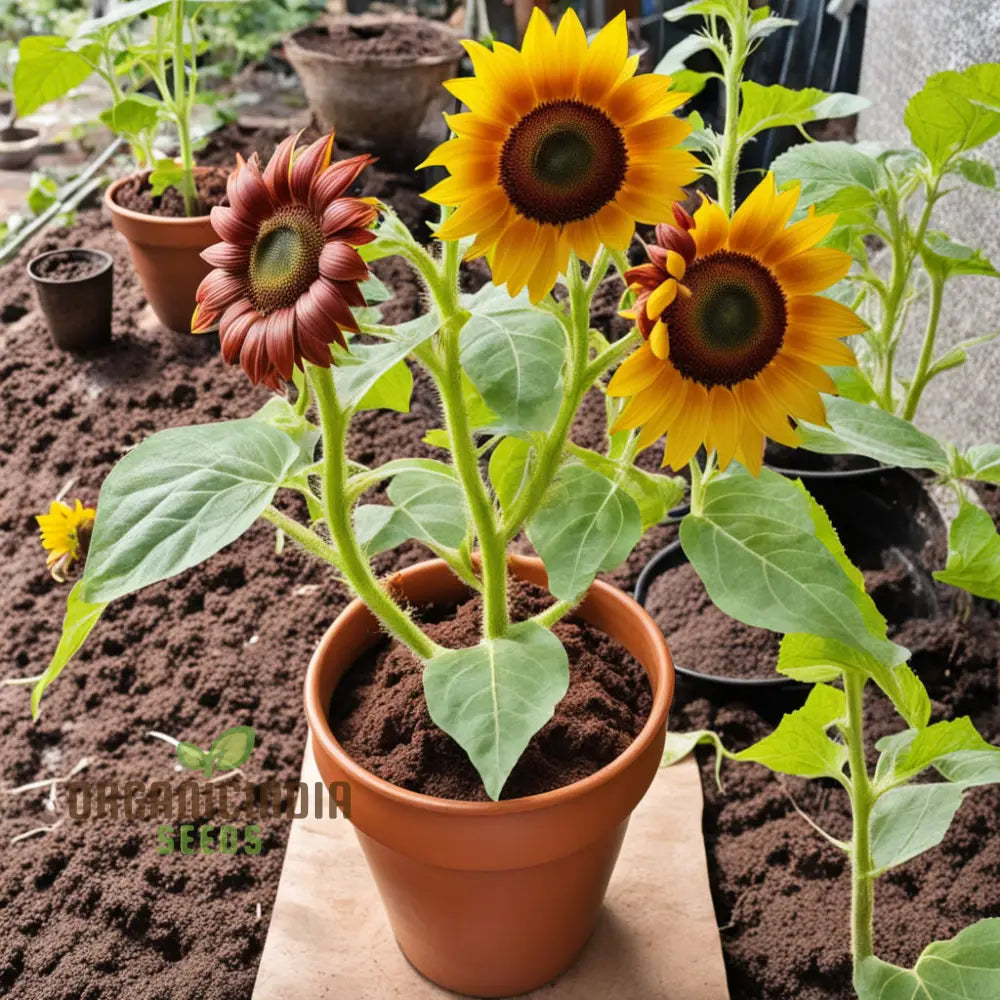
(732, 324)
(284, 260)
(562, 162)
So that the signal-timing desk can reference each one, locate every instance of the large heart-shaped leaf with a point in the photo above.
(514, 355)
(966, 967)
(755, 547)
(47, 68)
(491, 699)
(178, 498)
(912, 819)
(973, 554)
(587, 524)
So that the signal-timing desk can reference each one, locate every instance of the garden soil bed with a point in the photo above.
(90, 911)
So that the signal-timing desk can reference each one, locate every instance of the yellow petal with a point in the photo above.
(824, 316)
(659, 340)
(687, 433)
(812, 271)
(750, 453)
(637, 372)
(798, 237)
(789, 394)
(817, 349)
(672, 392)
(711, 227)
(615, 227)
(660, 298)
(607, 54)
(725, 423)
(765, 411)
(761, 217)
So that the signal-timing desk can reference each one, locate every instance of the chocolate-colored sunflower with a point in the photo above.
(286, 274)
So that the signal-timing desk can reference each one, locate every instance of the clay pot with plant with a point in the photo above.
(162, 210)
(490, 815)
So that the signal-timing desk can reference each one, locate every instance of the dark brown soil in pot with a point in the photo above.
(388, 41)
(136, 194)
(68, 268)
(380, 716)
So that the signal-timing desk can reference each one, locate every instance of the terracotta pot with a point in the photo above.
(492, 899)
(166, 254)
(373, 104)
(77, 310)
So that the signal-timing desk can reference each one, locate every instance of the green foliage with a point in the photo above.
(909, 820)
(228, 751)
(179, 497)
(47, 69)
(586, 524)
(973, 553)
(966, 967)
(774, 106)
(508, 469)
(491, 699)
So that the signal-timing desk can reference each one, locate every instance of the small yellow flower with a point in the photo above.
(65, 535)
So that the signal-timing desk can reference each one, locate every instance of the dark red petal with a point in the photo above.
(348, 213)
(336, 179)
(280, 334)
(354, 237)
(339, 262)
(276, 172)
(643, 321)
(218, 291)
(672, 238)
(248, 193)
(233, 327)
(253, 356)
(683, 217)
(350, 293)
(308, 165)
(334, 310)
(314, 333)
(227, 256)
(646, 275)
(231, 228)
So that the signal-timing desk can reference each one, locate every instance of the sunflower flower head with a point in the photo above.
(563, 149)
(287, 270)
(735, 334)
(65, 533)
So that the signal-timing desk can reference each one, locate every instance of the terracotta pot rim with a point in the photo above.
(376, 62)
(105, 259)
(161, 220)
(319, 726)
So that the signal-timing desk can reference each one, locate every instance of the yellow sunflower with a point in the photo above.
(563, 149)
(734, 331)
(65, 535)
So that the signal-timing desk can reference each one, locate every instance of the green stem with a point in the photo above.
(729, 154)
(554, 613)
(920, 376)
(610, 357)
(309, 540)
(353, 562)
(551, 451)
(182, 109)
(862, 801)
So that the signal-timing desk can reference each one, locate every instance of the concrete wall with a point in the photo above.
(906, 41)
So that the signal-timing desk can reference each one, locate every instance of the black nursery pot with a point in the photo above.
(74, 291)
(810, 467)
(885, 520)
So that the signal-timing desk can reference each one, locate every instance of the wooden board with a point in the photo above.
(657, 938)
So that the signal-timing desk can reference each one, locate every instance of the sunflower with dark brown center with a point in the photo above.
(286, 274)
(735, 334)
(563, 149)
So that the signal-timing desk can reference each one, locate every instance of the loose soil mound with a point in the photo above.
(384, 41)
(64, 267)
(137, 195)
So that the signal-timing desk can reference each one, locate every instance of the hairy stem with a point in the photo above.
(862, 800)
(920, 376)
(353, 562)
(729, 154)
(182, 109)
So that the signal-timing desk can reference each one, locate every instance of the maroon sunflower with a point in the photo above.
(287, 271)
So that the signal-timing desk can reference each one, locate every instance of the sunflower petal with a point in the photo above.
(231, 227)
(812, 271)
(339, 262)
(308, 165)
(276, 173)
(711, 227)
(637, 372)
(336, 179)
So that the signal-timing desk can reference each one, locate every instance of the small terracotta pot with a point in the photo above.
(492, 899)
(375, 104)
(77, 310)
(166, 255)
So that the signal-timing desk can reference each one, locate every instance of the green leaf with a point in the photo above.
(977, 172)
(966, 967)
(944, 256)
(957, 354)
(491, 699)
(133, 115)
(280, 414)
(799, 745)
(944, 120)
(355, 374)
(165, 173)
(393, 388)
(762, 27)
(973, 554)
(754, 546)
(81, 617)
(47, 70)
(827, 170)
(771, 107)
(126, 11)
(508, 468)
(232, 748)
(706, 8)
(677, 746)
(676, 56)
(984, 463)
(43, 193)
(856, 429)
(912, 819)
(179, 497)
(514, 355)
(428, 505)
(929, 747)
(971, 768)
(191, 756)
(655, 495)
(586, 524)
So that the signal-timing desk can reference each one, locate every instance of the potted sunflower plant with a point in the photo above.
(163, 208)
(499, 717)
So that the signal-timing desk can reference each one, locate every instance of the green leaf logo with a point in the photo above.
(229, 751)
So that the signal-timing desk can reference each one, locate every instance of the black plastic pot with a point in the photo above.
(884, 512)
(77, 309)
(813, 467)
